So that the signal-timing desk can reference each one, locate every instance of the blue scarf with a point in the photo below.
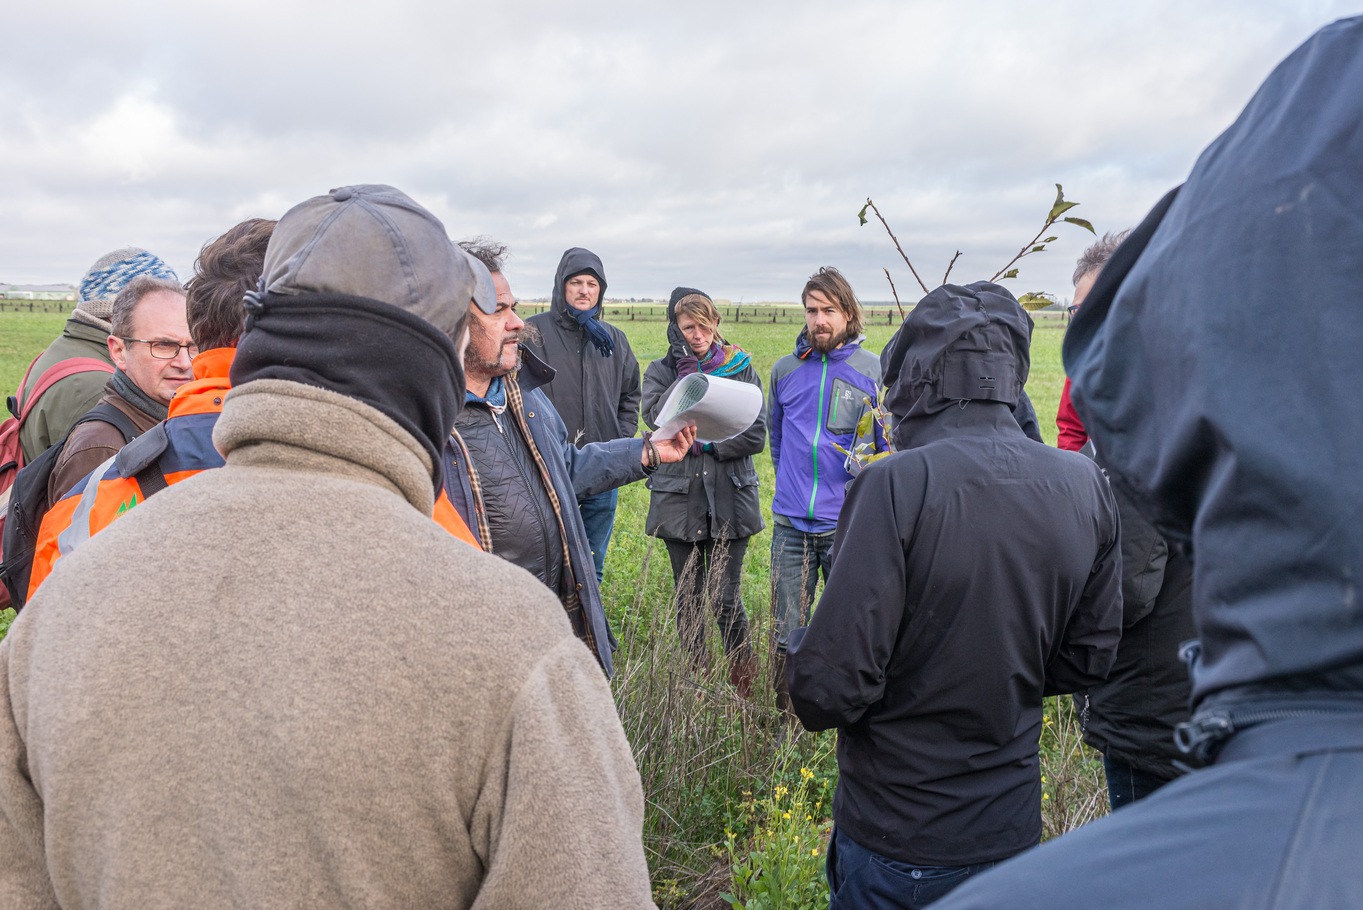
(495, 397)
(600, 336)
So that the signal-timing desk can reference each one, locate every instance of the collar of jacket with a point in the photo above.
(288, 425)
(958, 420)
(84, 331)
(566, 317)
(534, 372)
(204, 394)
(99, 329)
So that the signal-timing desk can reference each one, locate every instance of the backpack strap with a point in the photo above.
(141, 459)
(28, 504)
(12, 401)
(111, 415)
(50, 377)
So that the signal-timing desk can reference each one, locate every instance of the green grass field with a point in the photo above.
(23, 336)
(738, 803)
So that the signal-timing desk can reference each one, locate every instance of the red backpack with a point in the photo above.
(11, 452)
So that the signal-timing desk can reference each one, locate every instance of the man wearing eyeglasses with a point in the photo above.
(151, 349)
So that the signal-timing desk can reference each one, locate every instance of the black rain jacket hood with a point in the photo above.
(575, 261)
(1217, 366)
(958, 344)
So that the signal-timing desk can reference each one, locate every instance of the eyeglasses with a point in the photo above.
(1073, 308)
(166, 350)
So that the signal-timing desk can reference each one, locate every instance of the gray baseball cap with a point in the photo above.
(374, 241)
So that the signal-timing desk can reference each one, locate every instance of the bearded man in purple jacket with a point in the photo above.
(816, 399)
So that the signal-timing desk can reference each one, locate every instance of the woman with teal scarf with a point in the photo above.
(705, 508)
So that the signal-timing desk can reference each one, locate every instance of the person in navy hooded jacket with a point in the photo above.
(1216, 366)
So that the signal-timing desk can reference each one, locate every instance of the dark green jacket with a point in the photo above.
(65, 402)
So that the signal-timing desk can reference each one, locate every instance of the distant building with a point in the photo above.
(38, 292)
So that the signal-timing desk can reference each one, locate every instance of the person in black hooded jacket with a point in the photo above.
(706, 507)
(595, 388)
(1216, 367)
(974, 572)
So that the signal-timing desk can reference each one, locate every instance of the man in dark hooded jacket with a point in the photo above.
(1216, 366)
(595, 388)
(974, 572)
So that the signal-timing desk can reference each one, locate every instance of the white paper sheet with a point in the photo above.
(721, 408)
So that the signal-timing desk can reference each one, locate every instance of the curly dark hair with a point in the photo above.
(489, 252)
(226, 269)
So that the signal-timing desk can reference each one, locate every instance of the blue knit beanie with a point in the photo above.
(111, 274)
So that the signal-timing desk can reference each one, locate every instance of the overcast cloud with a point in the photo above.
(726, 146)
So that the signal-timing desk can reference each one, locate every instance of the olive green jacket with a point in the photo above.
(65, 402)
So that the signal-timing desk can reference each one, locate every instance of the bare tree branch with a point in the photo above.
(950, 266)
(902, 254)
(895, 293)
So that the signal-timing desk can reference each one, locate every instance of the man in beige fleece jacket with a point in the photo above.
(325, 700)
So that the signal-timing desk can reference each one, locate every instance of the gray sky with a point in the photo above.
(726, 146)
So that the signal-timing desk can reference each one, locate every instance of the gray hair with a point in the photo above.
(1097, 255)
(489, 252)
(121, 317)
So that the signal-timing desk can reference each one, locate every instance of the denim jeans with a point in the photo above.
(1126, 784)
(598, 517)
(861, 880)
(797, 558)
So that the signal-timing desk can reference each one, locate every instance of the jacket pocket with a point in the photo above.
(671, 483)
(846, 404)
(745, 478)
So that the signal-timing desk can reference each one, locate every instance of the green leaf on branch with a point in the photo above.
(1061, 208)
(862, 214)
(864, 424)
(1050, 240)
(1083, 224)
(1011, 273)
(1038, 248)
(845, 453)
(1035, 300)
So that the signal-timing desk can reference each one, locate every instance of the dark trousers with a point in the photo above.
(709, 576)
(1126, 784)
(859, 879)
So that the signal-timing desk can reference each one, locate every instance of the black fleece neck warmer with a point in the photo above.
(364, 349)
